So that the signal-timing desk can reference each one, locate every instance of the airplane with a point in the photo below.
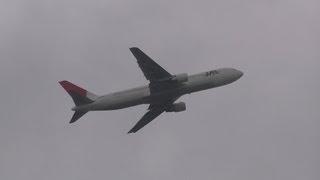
(160, 94)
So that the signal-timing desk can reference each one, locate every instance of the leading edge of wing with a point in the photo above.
(147, 118)
(151, 70)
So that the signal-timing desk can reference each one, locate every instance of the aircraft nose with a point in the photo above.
(227, 76)
(234, 74)
(239, 74)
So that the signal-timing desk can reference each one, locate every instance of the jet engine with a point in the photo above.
(180, 78)
(177, 107)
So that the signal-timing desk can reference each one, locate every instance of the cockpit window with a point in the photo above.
(212, 73)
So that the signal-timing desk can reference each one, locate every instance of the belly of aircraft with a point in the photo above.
(122, 99)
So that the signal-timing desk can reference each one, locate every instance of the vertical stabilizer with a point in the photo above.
(79, 95)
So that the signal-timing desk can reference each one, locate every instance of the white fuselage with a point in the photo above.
(147, 94)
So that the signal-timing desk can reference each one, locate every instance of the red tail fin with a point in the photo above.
(71, 88)
(79, 95)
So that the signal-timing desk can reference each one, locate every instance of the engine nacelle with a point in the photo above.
(180, 78)
(177, 107)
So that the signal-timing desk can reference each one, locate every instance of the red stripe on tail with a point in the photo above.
(69, 87)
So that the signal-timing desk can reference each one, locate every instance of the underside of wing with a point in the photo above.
(147, 118)
(154, 111)
(151, 70)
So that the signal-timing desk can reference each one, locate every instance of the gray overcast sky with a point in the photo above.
(264, 126)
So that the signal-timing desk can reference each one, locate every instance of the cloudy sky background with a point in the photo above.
(264, 126)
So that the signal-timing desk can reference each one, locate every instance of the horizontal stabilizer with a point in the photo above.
(77, 115)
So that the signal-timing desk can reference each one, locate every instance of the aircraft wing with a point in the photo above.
(154, 111)
(151, 70)
(147, 118)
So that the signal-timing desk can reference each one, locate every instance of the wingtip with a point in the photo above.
(132, 49)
